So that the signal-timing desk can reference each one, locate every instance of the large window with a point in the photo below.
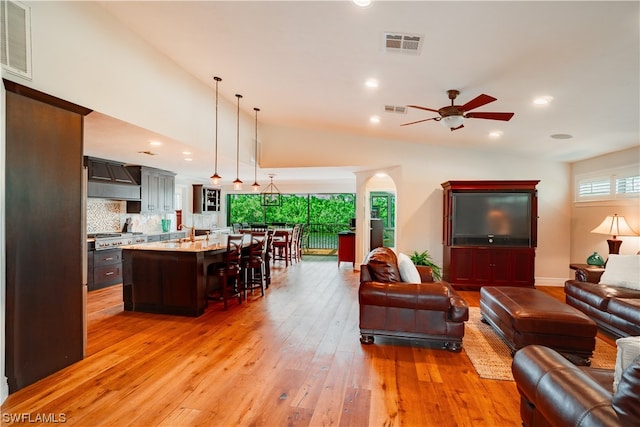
(324, 215)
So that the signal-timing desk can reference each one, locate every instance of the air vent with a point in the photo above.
(399, 109)
(15, 38)
(403, 43)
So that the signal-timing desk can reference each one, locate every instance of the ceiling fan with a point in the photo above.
(452, 116)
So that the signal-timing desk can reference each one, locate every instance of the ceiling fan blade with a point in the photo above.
(491, 116)
(423, 108)
(476, 102)
(420, 121)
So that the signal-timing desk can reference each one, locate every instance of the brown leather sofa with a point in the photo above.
(554, 392)
(614, 309)
(431, 311)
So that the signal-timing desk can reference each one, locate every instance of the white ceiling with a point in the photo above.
(304, 63)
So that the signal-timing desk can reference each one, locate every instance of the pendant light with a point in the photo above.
(215, 178)
(237, 184)
(255, 185)
(271, 196)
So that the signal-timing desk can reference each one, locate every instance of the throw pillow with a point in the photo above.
(622, 271)
(625, 400)
(408, 271)
(628, 348)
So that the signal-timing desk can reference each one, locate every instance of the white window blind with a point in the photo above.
(628, 185)
(621, 183)
(591, 188)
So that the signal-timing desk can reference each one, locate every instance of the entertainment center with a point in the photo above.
(489, 233)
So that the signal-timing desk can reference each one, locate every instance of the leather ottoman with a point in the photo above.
(524, 316)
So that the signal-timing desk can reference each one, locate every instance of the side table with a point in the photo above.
(587, 273)
(347, 247)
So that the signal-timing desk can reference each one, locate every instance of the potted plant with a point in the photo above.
(425, 259)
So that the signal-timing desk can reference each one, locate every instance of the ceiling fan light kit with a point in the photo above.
(452, 116)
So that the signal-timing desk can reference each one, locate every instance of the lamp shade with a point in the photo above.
(614, 225)
(452, 122)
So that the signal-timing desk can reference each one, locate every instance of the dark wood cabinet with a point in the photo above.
(484, 266)
(478, 251)
(157, 191)
(44, 234)
(205, 199)
(347, 247)
(107, 268)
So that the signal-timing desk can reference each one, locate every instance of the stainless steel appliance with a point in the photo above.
(114, 240)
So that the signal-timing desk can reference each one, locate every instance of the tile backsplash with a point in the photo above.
(109, 216)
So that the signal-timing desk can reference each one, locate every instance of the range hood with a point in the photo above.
(109, 179)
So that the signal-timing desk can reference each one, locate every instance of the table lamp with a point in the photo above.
(614, 225)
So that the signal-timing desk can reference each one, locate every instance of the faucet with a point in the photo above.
(192, 233)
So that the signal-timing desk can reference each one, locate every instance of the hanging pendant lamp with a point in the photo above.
(271, 194)
(215, 178)
(237, 184)
(255, 185)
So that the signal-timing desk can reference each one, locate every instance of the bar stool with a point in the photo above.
(281, 246)
(253, 264)
(229, 272)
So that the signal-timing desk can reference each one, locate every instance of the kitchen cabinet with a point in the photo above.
(107, 268)
(157, 191)
(205, 199)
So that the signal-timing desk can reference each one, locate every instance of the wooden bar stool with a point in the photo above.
(253, 264)
(229, 272)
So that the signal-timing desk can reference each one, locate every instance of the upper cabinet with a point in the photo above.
(205, 199)
(158, 189)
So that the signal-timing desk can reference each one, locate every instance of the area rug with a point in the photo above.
(492, 359)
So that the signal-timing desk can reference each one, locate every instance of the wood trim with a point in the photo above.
(43, 97)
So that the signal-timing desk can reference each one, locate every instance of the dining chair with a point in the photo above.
(229, 272)
(253, 264)
(281, 246)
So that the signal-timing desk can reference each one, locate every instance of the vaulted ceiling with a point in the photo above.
(305, 64)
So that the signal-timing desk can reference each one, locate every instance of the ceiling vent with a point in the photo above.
(403, 43)
(15, 37)
(399, 109)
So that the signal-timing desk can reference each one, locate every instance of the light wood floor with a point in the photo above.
(291, 358)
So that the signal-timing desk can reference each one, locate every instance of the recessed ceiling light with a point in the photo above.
(155, 143)
(495, 134)
(543, 100)
(381, 175)
(374, 119)
(188, 159)
(186, 153)
(362, 3)
(371, 83)
(561, 136)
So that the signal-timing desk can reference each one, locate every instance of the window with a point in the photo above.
(619, 184)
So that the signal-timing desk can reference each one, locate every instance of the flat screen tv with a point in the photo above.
(491, 218)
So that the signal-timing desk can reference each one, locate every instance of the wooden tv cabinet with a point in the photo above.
(488, 263)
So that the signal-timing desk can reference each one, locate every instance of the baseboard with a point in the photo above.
(550, 281)
(4, 390)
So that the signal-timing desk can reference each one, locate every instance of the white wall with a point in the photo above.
(418, 172)
(585, 216)
(4, 385)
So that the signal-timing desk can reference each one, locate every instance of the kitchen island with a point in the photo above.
(169, 277)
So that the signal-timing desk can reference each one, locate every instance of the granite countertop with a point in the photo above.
(200, 245)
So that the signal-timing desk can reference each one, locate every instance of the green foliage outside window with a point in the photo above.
(295, 209)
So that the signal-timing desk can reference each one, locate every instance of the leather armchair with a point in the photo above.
(431, 311)
(554, 392)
